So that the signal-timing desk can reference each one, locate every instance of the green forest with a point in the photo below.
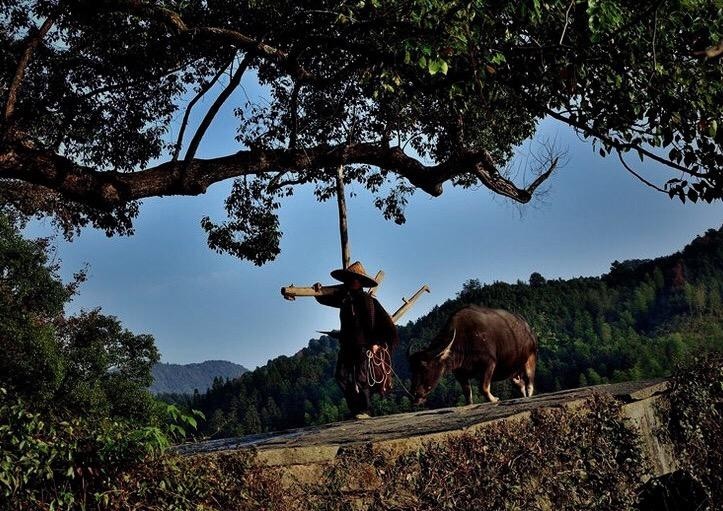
(634, 322)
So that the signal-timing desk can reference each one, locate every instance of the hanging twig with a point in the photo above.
(293, 137)
(567, 21)
(641, 178)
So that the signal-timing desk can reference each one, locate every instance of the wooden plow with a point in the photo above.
(291, 292)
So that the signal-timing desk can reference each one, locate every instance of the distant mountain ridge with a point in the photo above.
(184, 378)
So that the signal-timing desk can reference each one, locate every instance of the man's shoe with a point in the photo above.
(361, 416)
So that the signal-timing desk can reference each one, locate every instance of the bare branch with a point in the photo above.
(641, 178)
(215, 107)
(490, 176)
(202, 92)
(621, 146)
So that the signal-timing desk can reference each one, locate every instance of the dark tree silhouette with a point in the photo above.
(405, 95)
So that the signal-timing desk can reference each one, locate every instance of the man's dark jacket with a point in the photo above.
(364, 322)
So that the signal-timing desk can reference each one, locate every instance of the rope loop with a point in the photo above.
(379, 368)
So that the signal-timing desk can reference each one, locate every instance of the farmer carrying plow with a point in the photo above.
(367, 338)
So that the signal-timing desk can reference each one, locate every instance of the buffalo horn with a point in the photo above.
(448, 350)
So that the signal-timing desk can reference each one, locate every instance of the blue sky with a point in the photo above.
(200, 305)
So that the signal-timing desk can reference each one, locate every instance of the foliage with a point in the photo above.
(86, 364)
(406, 94)
(694, 410)
(31, 301)
(49, 461)
(64, 464)
(586, 457)
(635, 322)
(556, 459)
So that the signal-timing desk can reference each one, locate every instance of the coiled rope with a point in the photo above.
(379, 370)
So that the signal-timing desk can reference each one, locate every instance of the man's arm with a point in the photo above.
(332, 300)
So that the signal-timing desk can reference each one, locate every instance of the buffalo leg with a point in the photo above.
(463, 380)
(520, 383)
(528, 374)
(486, 382)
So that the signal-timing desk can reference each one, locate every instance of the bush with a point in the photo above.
(562, 459)
(695, 423)
(48, 462)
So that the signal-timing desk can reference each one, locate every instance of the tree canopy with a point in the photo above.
(87, 364)
(405, 94)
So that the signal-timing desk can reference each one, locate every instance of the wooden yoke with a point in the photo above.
(292, 291)
(401, 311)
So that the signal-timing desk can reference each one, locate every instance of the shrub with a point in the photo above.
(48, 462)
(694, 409)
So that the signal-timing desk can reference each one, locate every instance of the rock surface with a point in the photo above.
(408, 431)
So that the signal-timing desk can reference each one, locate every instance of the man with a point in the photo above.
(367, 338)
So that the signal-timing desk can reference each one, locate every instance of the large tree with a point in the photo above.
(404, 94)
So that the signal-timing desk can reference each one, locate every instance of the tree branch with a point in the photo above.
(32, 42)
(132, 83)
(215, 107)
(202, 92)
(641, 178)
(174, 22)
(487, 172)
(107, 189)
(621, 146)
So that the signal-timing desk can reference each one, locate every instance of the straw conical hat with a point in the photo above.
(355, 271)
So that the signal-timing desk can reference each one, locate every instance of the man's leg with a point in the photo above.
(365, 400)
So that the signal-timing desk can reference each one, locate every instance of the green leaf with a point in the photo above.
(433, 67)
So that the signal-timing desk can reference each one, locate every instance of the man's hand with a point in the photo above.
(317, 287)
(375, 348)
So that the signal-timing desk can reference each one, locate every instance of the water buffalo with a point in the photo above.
(491, 344)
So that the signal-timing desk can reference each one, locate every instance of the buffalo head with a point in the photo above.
(427, 368)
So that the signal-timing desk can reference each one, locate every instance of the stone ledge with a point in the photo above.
(407, 432)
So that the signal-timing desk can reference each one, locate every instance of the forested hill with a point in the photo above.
(630, 323)
(185, 378)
